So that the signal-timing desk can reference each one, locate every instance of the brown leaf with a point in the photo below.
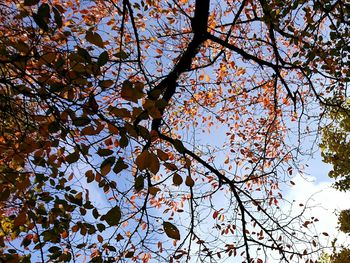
(147, 160)
(189, 181)
(171, 230)
(94, 38)
(177, 179)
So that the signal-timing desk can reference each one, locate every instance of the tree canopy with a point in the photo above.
(335, 145)
(163, 130)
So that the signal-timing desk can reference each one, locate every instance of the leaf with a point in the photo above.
(112, 217)
(93, 104)
(89, 176)
(104, 152)
(103, 58)
(147, 160)
(130, 93)
(121, 55)
(153, 163)
(94, 38)
(106, 165)
(106, 83)
(81, 121)
(44, 11)
(31, 2)
(171, 230)
(57, 16)
(179, 146)
(120, 166)
(142, 160)
(40, 22)
(189, 181)
(83, 53)
(26, 241)
(153, 190)
(78, 199)
(139, 183)
(20, 220)
(73, 157)
(4, 194)
(162, 155)
(129, 254)
(177, 179)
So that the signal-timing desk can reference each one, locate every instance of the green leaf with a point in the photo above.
(113, 216)
(171, 230)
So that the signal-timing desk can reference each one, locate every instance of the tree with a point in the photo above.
(335, 143)
(118, 98)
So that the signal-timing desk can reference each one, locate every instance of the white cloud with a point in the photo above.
(325, 203)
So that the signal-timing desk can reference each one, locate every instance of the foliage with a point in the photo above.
(124, 122)
(342, 257)
(335, 145)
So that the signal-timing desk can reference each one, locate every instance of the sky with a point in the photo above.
(315, 188)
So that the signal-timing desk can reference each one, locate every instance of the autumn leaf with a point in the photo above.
(147, 160)
(153, 190)
(103, 58)
(20, 219)
(177, 179)
(171, 230)
(130, 92)
(106, 165)
(189, 181)
(73, 157)
(94, 38)
(139, 183)
(120, 166)
(113, 216)
(31, 2)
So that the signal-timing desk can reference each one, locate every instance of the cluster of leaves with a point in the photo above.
(335, 145)
(107, 109)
